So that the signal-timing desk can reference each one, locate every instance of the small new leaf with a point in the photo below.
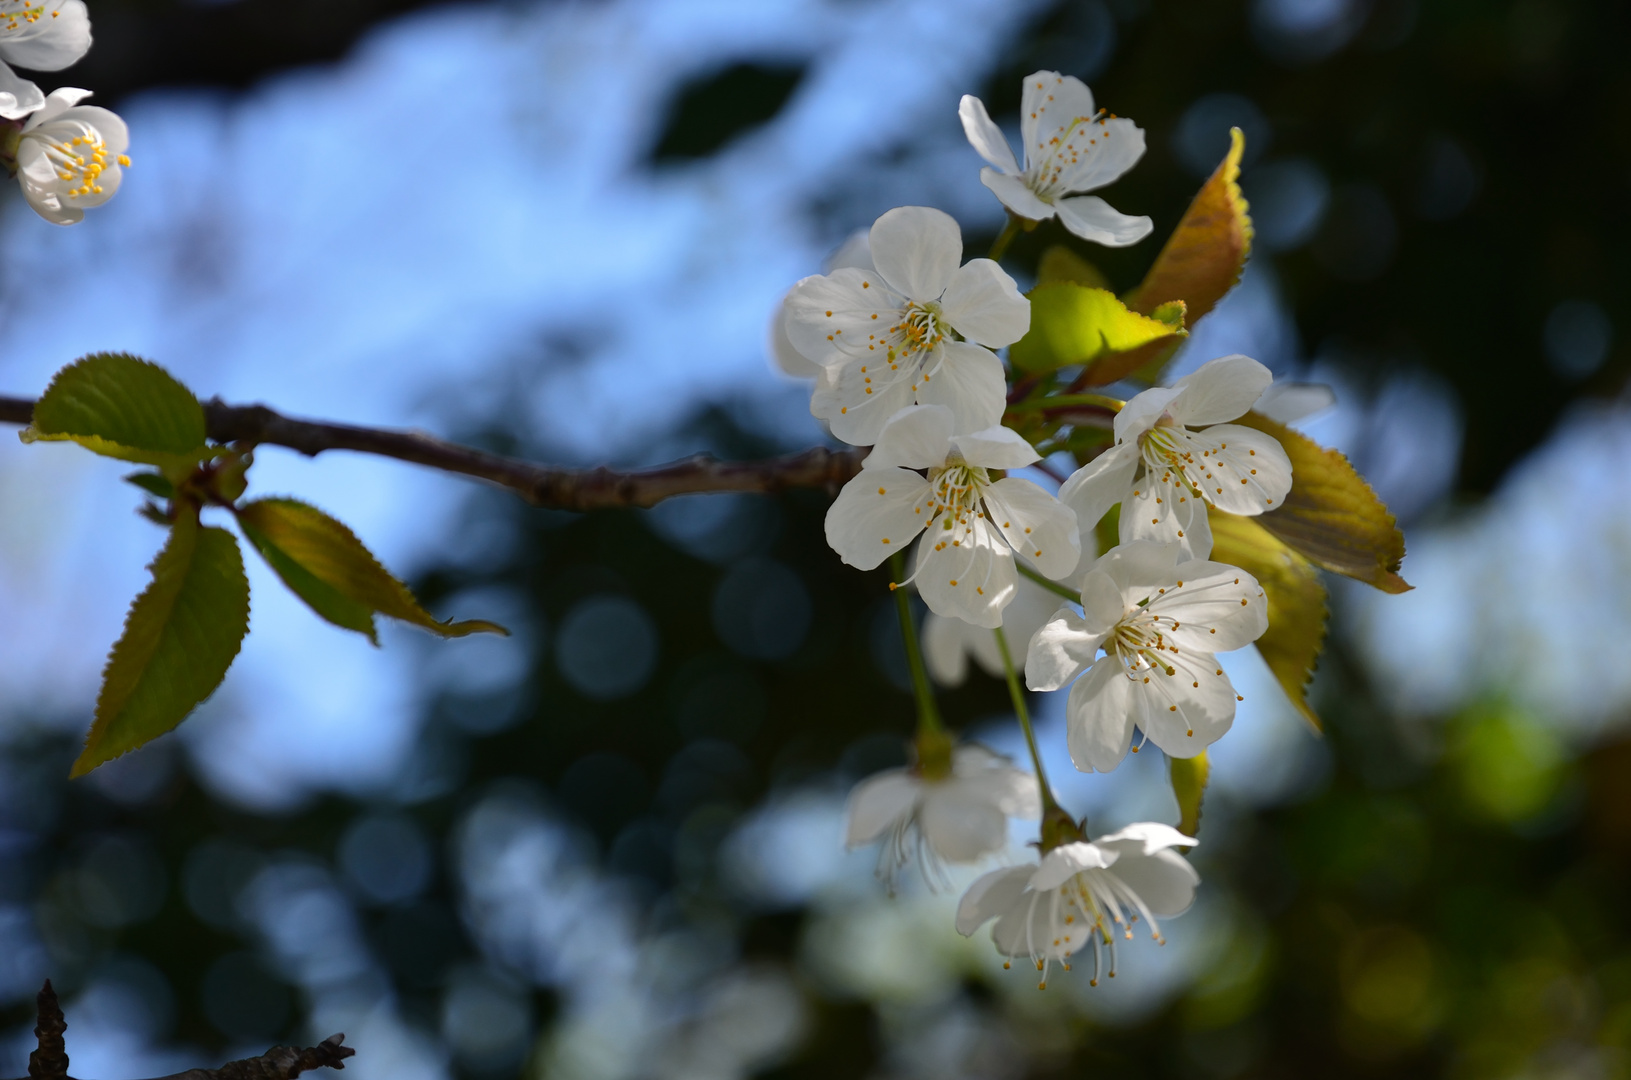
(1332, 517)
(153, 483)
(1189, 777)
(1078, 324)
(325, 565)
(125, 408)
(180, 637)
(1297, 614)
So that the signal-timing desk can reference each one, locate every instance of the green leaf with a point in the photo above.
(1332, 517)
(1189, 777)
(153, 483)
(1297, 614)
(125, 408)
(180, 637)
(1077, 324)
(325, 565)
(1204, 256)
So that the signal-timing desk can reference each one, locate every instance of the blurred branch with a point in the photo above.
(542, 485)
(50, 1061)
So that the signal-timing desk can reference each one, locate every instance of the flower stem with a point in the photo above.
(999, 247)
(1051, 586)
(928, 716)
(1059, 401)
(1049, 805)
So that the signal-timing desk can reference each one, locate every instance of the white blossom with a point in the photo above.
(948, 643)
(1159, 623)
(1083, 893)
(964, 567)
(70, 157)
(959, 818)
(1070, 148)
(914, 331)
(1174, 455)
(41, 35)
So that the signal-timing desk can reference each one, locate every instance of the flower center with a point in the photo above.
(1064, 150)
(954, 496)
(1138, 642)
(920, 331)
(1167, 455)
(79, 161)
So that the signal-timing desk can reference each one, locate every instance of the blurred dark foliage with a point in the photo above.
(1459, 912)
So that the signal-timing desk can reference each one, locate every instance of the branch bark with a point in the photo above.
(542, 485)
(50, 1061)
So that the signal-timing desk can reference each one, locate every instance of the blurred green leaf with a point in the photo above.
(1189, 778)
(125, 408)
(153, 483)
(1297, 614)
(1508, 763)
(1077, 324)
(180, 637)
(325, 565)
(1060, 263)
(1331, 516)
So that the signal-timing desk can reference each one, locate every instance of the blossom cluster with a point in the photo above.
(68, 157)
(902, 338)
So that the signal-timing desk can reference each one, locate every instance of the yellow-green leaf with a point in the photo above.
(125, 408)
(1189, 777)
(1077, 324)
(325, 565)
(1060, 263)
(1205, 254)
(1297, 614)
(180, 637)
(1332, 517)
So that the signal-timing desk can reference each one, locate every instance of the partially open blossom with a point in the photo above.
(1070, 148)
(975, 523)
(916, 330)
(41, 35)
(70, 157)
(958, 818)
(948, 643)
(1159, 623)
(1164, 472)
(1083, 894)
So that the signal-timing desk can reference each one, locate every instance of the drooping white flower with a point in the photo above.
(70, 157)
(965, 564)
(1083, 893)
(1174, 455)
(1159, 623)
(958, 818)
(1070, 148)
(948, 643)
(41, 35)
(914, 331)
(855, 252)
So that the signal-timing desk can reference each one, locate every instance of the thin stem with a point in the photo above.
(928, 716)
(1018, 695)
(999, 247)
(1046, 583)
(1060, 401)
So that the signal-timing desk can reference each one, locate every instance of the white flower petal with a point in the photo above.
(788, 360)
(1091, 218)
(1141, 413)
(1164, 880)
(855, 415)
(1013, 791)
(917, 249)
(1219, 390)
(18, 96)
(1114, 145)
(1093, 489)
(1187, 710)
(877, 803)
(1217, 608)
(985, 136)
(1014, 193)
(1040, 527)
(990, 896)
(1144, 838)
(945, 651)
(969, 381)
(961, 825)
(1049, 103)
(916, 437)
(58, 39)
(830, 316)
(1249, 472)
(1099, 717)
(856, 251)
(1102, 602)
(996, 448)
(1027, 928)
(1065, 862)
(1140, 568)
(984, 304)
(1288, 402)
(1162, 510)
(57, 103)
(878, 513)
(1060, 651)
(966, 573)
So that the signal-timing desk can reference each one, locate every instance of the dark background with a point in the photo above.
(1407, 921)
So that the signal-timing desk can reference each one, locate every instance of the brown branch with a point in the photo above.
(541, 485)
(50, 1061)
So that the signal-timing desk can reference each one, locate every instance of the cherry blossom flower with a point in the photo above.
(1159, 623)
(42, 35)
(965, 565)
(916, 330)
(949, 643)
(957, 818)
(70, 157)
(1165, 474)
(1070, 148)
(1083, 893)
